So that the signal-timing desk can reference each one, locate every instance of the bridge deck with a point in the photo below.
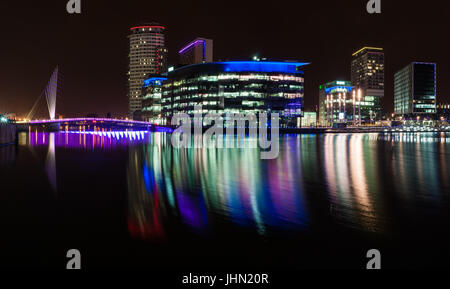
(85, 120)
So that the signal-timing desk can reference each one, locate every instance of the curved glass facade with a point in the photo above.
(236, 87)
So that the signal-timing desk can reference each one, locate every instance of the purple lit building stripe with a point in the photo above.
(191, 45)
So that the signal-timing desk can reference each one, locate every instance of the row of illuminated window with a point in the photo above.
(425, 106)
(240, 94)
(222, 111)
(244, 103)
(233, 87)
(240, 77)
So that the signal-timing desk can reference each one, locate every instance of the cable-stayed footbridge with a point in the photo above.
(52, 123)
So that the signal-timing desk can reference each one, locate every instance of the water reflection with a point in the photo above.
(202, 187)
(346, 157)
(420, 162)
(7, 156)
(50, 162)
(365, 181)
(84, 139)
(205, 186)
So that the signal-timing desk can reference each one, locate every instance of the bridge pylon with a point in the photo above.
(50, 93)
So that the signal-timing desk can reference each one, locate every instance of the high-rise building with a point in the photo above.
(234, 87)
(337, 103)
(148, 55)
(415, 89)
(197, 51)
(367, 71)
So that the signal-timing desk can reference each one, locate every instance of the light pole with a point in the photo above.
(359, 106)
(354, 108)
(343, 106)
(339, 114)
(328, 110)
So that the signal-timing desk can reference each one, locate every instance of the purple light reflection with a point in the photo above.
(85, 139)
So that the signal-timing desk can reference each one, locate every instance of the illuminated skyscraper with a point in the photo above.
(148, 55)
(368, 75)
(197, 51)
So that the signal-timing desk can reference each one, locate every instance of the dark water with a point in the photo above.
(133, 200)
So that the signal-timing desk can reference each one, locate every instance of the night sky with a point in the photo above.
(91, 49)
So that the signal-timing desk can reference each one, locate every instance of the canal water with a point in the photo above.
(129, 199)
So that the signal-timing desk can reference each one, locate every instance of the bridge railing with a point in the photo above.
(87, 119)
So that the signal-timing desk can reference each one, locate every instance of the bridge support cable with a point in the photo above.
(50, 93)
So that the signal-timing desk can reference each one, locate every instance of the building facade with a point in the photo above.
(309, 119)
(147, 55)
(151, 99)
(197, 51)
(367, 74)
(415, 89)
(338, 103)
(236, 87)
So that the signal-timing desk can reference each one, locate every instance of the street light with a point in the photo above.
(359, 106)
(354, 108)
(340, 96)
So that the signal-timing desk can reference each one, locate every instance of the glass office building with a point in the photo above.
(236, 87)
(151, 99)
(415, 89)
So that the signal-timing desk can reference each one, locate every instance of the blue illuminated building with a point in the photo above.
(154, 81)
(236, 87)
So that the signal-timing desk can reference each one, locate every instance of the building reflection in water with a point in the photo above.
(7, 156)
(84, 140)
(345, 163)
(50, 162)
(420, 165)
(206, 191)
(362, 169)
(203, 187)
